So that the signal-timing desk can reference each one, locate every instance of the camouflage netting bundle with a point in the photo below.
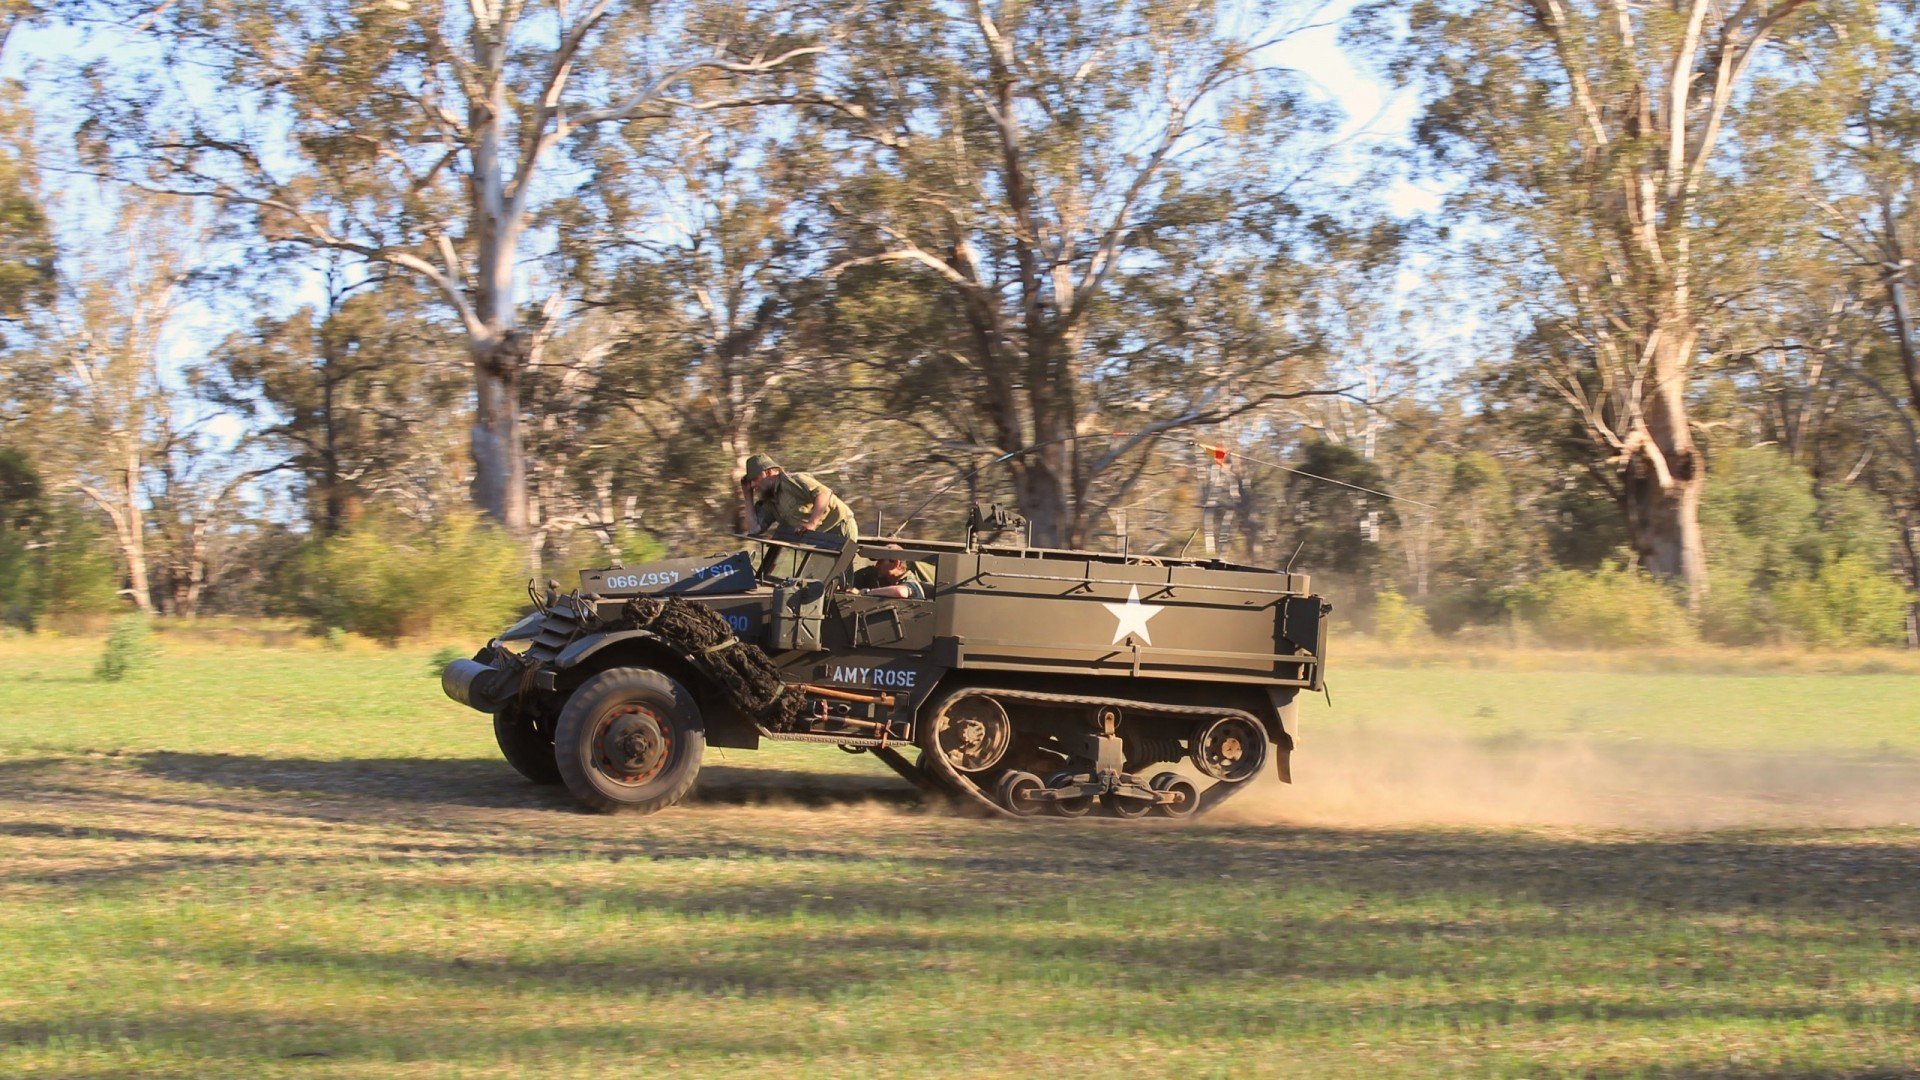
(741, 670)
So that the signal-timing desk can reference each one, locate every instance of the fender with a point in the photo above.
(578, 652)
(1286, 715)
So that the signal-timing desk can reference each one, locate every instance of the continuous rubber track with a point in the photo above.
(958, 783)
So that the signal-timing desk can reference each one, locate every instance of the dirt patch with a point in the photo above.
(1373, 778)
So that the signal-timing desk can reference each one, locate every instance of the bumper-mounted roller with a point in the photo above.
(477, 685)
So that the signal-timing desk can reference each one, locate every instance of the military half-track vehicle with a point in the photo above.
(1028, 681)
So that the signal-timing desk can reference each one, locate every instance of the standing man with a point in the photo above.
(773, 497)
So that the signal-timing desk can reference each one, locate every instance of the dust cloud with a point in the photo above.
(1394, 778)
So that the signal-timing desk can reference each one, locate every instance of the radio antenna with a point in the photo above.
(1295, 555)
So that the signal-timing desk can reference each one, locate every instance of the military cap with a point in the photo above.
(759, 464)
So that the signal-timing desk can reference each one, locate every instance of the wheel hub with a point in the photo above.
(1230, 748)
(632, 745)
(973, 734)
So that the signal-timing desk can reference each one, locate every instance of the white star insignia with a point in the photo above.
(1133, 616)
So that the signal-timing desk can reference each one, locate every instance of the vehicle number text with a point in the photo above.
(641, 581)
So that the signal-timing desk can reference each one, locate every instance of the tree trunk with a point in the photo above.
(1662, 484)
(1904, 334)
(496, 344)
(499, 461)
(133, 538)
(1043, 499)
(1664, 524)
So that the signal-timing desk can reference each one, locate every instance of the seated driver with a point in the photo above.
(889, 577)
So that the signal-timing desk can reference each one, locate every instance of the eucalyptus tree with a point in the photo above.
(421, 135)
(26, 241)
(1884, 231)
(1065, 221)
(89, 397)
(705, 254)
(1594, 142)
(349, 396)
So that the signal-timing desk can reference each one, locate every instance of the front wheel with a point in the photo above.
(525, 746)
(629, 739)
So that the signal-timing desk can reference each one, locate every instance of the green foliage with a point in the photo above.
(26, 243)
(1791, 565)
(388, 578)
(586, 549)
(52, 559)
(1338, 526)
(1614, 607)
(444, 656)
(355, 396)
(1395, 621)
(129, 650)
(1851, 601)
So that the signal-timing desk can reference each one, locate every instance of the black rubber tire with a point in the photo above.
(525, 747)
(596, 700)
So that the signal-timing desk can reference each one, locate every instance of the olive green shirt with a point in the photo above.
(869, 577)
(792, 502)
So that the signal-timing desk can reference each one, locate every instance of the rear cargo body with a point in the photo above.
(1067, 615)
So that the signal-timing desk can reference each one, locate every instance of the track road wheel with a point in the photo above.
(1188, 794)
(1122, 807)
(1078, 807)
(525, 746)
(630, 739)
(1015, 792)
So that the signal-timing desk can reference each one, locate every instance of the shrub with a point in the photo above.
(129, 649)
(1615, 607)
(1850, 602)
(387, 578)
(443, 656)
(585, 548)
(1395, 621)
(60, 569)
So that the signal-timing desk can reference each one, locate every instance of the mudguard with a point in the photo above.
(1286, 714)
(579, 651)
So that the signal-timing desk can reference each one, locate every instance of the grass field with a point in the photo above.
(299, 862)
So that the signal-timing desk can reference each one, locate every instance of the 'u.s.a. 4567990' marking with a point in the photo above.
(646, 580)
(650, 578)
(885, 678)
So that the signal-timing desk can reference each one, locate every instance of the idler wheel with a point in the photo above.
(1231, 748)
(1015, 792)
(1079, 806)
(973, 733)
(1186, 795)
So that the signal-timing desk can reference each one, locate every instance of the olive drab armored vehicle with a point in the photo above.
(1027, 681)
